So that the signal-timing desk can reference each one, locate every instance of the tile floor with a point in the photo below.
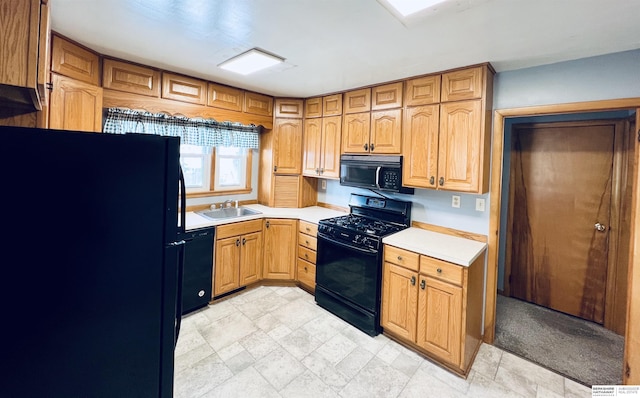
(276, 342)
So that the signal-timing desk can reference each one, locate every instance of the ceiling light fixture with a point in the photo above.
(408, 7)
(251, 61)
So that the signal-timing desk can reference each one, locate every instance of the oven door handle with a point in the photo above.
(378, 176)
(347, 246)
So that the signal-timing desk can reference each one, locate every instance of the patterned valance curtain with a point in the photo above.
(201, 132)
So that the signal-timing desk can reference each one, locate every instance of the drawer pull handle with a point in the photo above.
(306, 256)
(308, 229)
(306, 241)
(439, 270)
(399, 258)
(305, 269)
(423, 284)
(413, 281)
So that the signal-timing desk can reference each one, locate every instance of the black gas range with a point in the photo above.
(349, 258)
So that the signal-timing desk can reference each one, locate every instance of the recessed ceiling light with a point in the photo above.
(408, 7)
(251, 61)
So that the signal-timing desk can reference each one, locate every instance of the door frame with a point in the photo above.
(618, 176)
(497, 152)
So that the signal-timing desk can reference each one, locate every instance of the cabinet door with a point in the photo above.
(422, 91)
(313, 107)
(399, 301)
(258, 104)
(74, 61)
(440, 319)
(131, 78)
(289, 107)
(357, 101)
(225, 97)
(227, 260)
(387, 96)
(288, 146)
(355, 133)
(420, 146)
(462, 84)
(311, 146)
(460, 145)
(332, 105)
(75, 105)
(330, 153)
(280, 244)
(386, 132)
(251, 258)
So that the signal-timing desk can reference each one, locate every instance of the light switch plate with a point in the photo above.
(479, 204)
(455, 201)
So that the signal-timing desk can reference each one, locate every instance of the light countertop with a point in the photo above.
(444, 247)
(311, 214)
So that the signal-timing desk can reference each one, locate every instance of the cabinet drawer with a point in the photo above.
(307, 241)
(184, 88)
(307, 254)
(306, 273)
(130, 78)
(441, 270)
(402, 257)
(462, 85)
(238, 228)
(308, 228)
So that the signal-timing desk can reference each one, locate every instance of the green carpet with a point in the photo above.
(577, 349)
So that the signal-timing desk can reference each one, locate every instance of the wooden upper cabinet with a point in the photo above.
(184, 88)
(289, 107)
(124, 76)
(71, 60)
(422, 91)
(462, 84)
(355, 132)
(357, 101)
(332, 105)
(386, 132)
(313, 107)
(387, 96)
(420, 146)
(311, 147)
(258, 104)
(225, 97)
(287, 150)
(330, 151)
(460, 153)
(75, 105)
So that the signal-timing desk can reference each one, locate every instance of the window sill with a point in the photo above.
(217, 193)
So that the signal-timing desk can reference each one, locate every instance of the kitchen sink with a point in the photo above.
(228, 212)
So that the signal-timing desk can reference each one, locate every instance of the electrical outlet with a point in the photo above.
(479, 204)
(323, 184)
(455, 201)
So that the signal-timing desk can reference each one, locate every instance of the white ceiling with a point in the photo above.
(336, 45)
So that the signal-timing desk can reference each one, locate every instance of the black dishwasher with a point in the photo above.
(198, 263)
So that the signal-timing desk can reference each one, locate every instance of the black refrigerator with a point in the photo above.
(91, 263)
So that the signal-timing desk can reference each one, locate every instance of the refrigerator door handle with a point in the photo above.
(178, 321)
(183, 203)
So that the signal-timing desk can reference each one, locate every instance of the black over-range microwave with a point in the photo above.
(373, 172)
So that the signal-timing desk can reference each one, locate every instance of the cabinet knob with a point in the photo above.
(305, 268)
(399, 258)
(308, 229)
(306, 241)
(366, 147)
(413, 281)
(441, 181)
(267, 224)
(432, 180)
(306, 255)
(237, 242)
(321, 170)
(244, 241)
(423, 284)
(275, 168)
(372, 146)
(439, 270)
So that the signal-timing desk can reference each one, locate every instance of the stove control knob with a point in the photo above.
(357, 238)
(365, 240)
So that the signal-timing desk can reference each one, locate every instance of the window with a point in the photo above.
(222, 171)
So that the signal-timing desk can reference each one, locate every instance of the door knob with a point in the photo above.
(599, 227)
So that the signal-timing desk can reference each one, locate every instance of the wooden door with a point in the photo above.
(420, 146)
(440, 319)
(386, 132)
(251, 258)
(459, 146)
(75, 105)
(399, 301)
(311, 147)
(559, 216)
(287, 151)
(355, 132)
(330, 152)
(227, 260)
(280, 244)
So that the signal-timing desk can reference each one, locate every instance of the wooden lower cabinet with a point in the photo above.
(238, 256)
(436, 309)
(307, 246)
(280, 245)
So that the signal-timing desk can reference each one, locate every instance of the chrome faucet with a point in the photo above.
(227, 203)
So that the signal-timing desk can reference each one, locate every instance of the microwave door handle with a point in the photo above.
(378, 176)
